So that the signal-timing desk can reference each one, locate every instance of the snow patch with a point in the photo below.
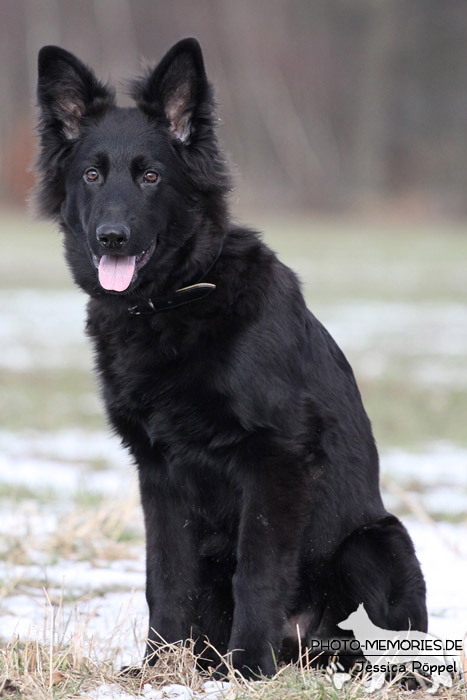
(212, 690)
(42, 330)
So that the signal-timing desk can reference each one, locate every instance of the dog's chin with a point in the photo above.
(119, 275)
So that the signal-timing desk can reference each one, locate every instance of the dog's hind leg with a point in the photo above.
(376, 565)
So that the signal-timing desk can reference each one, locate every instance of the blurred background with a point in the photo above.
(326, 104)
(346, 121)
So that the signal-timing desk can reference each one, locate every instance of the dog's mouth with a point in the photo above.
(117, 272)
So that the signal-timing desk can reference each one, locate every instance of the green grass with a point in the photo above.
(406, 414)
(31, 254)
(16, 494)
(370, 260)
(49, 399)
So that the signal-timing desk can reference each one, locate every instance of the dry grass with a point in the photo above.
(64, 667)
(92, 531)
(67, 669)
(37, 672)
(101, 533)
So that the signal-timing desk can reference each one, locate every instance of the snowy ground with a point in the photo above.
(71, 535)
(110, 593)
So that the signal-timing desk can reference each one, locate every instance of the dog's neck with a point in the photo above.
(185, 295)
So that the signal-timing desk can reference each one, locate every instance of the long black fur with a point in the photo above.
(257, 465)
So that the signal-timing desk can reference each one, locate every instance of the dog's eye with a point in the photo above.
(150, 176)
(91, 175)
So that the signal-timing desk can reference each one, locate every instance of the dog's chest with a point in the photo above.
(165, 384)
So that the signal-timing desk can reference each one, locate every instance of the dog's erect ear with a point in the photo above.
(67, 90)
(177, 89)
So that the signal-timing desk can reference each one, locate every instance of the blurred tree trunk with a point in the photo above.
(117, 37)
(325, 103)
(369, 152)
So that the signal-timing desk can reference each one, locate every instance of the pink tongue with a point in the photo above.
(116, 272)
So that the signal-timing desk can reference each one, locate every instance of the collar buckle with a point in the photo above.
(185, 295)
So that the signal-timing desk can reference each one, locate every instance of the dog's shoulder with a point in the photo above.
(257, 281)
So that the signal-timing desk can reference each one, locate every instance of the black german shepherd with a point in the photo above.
(257, 465)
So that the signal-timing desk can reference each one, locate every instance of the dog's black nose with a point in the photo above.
(113, 236)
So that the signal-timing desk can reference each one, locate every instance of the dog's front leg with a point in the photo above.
(171, 567)
(272, 521)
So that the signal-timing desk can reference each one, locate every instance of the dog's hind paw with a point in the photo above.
(131, 671)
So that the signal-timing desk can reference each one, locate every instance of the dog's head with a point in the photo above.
(139, 192)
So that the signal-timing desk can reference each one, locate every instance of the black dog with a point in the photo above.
(257, 465)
